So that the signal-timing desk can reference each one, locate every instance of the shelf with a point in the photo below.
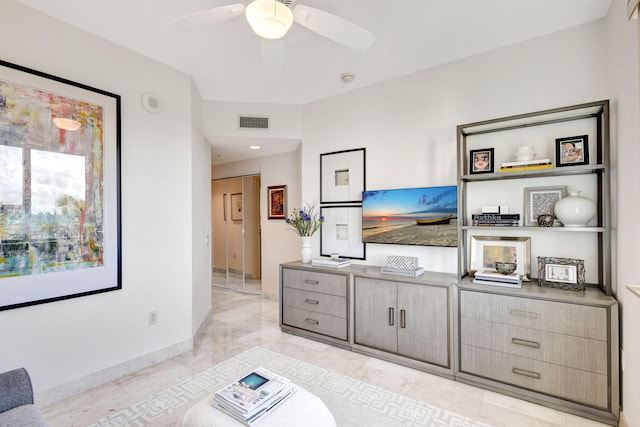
(576, 112)
(591, 118)
(563, 171)
(539, 229)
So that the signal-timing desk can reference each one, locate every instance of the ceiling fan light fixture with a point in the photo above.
(67, 124)
(269, 19)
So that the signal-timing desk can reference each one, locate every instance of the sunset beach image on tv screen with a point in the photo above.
(411, 216)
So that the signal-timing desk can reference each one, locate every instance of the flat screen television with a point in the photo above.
(411, 216)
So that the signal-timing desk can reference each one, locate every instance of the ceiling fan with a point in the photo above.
(271, 19)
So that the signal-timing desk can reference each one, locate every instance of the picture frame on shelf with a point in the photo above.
(342, 176)
(277, 201)
(236, 207)
(564, 273)
(487, 250)
(481, 161)
(60, 180)
(572, 151)
(341, 232)
(540, 201)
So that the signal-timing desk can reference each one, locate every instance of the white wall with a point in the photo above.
(623, 50)
(279, 244)
(63, 341)
(221, 119)
(408, 125)
(201, 215)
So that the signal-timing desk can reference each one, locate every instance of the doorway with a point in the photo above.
(235, 221)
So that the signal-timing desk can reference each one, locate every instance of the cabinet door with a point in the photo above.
(423, 331)
(375, 314)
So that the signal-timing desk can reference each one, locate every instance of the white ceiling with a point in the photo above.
(226, 61)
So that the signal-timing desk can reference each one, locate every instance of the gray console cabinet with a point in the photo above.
(404, 320)
(315, 303)
(551, 346)
(407, 319)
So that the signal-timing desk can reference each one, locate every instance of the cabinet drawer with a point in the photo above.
(565, 350)
(315, 322)
(326, 283)
(572, 384)
(314, 301)
(570, 319)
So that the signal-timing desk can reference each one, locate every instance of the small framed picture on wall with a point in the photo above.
(277, 197)
(481, 161)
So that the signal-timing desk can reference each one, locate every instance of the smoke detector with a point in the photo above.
(347, 77)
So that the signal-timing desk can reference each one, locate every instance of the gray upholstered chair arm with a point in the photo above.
(15, 389)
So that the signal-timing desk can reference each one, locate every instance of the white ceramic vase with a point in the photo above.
(305, 252)
(575, 210)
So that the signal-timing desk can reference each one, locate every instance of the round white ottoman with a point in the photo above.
(301, 409)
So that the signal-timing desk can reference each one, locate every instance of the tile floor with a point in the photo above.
(234, 281)
(240, 321)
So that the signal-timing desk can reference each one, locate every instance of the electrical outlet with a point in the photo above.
(153, 317)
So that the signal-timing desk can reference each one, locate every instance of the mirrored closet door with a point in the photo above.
(236, 254)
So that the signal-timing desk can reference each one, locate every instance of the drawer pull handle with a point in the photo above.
(312, 301)
(391, 316)
(312, 321)
(526, 373)
(526, 343)
(311, 282)
(530, 314)
(403, 319)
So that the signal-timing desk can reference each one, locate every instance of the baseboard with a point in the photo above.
(270, 296)
(71, 388)
(204, 323)
(623, 421)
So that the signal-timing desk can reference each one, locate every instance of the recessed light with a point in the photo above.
(255, 147)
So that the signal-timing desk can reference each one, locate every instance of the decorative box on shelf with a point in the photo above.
(402, 266)
(395, 262)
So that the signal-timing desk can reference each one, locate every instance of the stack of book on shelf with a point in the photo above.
(254, 396)
(495, 220)
(331, 262)
(526, 165)
(493, 278)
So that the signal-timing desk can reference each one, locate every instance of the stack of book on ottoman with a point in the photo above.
(494, 278)
(254, 396)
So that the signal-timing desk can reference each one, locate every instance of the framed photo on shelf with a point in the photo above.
(572, 151)
(565, 273)
(277, 200)
(540, 201)
(236, 207)
(59, 188)
(481, 161)
(342, 176)
(341, 232)
(487, 250)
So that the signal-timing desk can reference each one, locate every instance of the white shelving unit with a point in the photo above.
(540, 129)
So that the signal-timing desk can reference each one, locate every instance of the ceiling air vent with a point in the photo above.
(253, 122)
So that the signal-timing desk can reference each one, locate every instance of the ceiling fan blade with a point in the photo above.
(272, 54)
(333, 27)
(208, 16)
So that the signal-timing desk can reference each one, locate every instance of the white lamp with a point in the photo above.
(270, 19)
(67, 124)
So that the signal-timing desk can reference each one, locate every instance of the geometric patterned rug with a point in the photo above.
(352, 402)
